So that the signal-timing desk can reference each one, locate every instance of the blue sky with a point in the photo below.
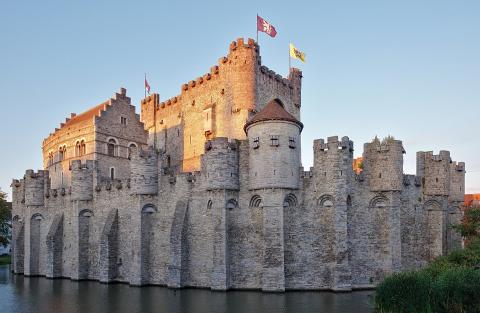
(410, 69)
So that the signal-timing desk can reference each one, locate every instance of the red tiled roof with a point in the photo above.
(95, 111)
(273, 111)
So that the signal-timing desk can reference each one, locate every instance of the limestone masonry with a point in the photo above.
(206, 189)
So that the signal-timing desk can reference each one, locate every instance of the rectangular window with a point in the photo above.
(123, 120)
(291, 142)
(256, 143)
(274, 141)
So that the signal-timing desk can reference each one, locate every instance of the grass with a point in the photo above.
(449, 284)
(5, 260)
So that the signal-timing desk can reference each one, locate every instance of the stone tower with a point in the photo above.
(274, 169)
(333, 173)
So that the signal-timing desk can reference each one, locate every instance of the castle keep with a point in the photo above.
(207, 189)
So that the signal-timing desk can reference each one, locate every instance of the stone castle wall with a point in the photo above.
(225, 211)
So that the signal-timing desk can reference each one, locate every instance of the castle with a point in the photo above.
(206, 189)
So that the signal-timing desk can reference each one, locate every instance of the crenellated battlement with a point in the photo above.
(34, 187)
(333, 145)
(220, 163)
(383, 164)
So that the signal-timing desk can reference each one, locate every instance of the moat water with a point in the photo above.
(38, 294)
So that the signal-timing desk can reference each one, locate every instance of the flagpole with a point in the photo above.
(257, 30)
(144, 86)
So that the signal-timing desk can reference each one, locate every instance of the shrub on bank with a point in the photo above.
(450, 284)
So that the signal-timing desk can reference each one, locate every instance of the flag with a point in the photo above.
(265, 27)
(147, 86)
(297, 54)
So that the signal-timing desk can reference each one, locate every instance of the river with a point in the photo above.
(38, 294)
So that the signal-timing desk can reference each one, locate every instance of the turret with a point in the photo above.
(221, 164)
(333, 163)
(274, 157)
(457, 181)
(34, 187)
(18, 191)
(143, 172)
(434, 171)
(82, 180)
(383, 164)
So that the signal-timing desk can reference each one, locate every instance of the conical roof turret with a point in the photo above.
(273, 111)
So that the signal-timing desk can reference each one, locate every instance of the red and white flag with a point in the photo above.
(147, 86)
(266, 27)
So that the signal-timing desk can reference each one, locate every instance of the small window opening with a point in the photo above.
(130, 147)
(123, 120)
(256, 143)
(111, 147)
(274, 141)
(291, 143)
(112, 173)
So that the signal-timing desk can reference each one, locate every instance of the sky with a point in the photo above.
(406, 68)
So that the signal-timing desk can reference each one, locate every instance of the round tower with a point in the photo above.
(221, 164)
(274, 156)
(82, 180)
(34, 187)
(143, 172)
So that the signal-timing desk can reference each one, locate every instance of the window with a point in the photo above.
(62, 153)
(256, 143)
(130, 147)
(111, 146)
(291, 142)
(123, 120)
(274, 140)
(83, 147)
(77, 149)
(50, 158)
(112, 173)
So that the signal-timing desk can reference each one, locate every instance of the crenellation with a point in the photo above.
(207, 189)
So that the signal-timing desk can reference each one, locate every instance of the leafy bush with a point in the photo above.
(450, 284)
(457, 290)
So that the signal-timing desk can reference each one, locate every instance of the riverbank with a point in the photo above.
(4, 260)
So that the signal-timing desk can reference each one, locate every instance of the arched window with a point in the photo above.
(50, 158)
(325, 201)
(83, 147)
(111, 147)
(112, 173)
(62, 153)
(77, 149)
(290, 201)
(256, 201)
(130, 147)
(231, 204)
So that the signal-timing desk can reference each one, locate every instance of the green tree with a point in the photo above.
(5, 219)
(469, 229)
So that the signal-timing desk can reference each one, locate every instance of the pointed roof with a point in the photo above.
(273, 111)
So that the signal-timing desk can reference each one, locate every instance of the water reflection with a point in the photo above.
(22, 294)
